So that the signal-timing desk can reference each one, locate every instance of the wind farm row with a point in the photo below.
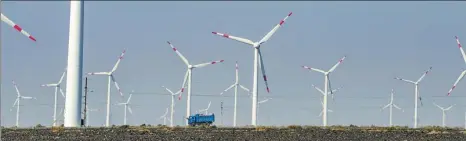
(259, 67)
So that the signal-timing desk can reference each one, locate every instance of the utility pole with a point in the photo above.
(221, 111)
(85, 104)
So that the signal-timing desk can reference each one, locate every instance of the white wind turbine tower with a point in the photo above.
(391, 105)
(416, 93)
(164, 117)
(327, 85)
(443, 112)
(235, 85)
(464, 71)
(17, 102)
(172, 106)
(57, 87)
(88, 115)
(110, 79)
(188, 76)
(127, 108)
(332, 92)
(262, 101)
(205, 110)
(258, 62)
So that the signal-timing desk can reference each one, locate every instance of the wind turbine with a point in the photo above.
(57, 87)
(172, 106)
(263, 101)
(206, 109)
(327, 86)
(257, 62)
(164, 117)
(416, 93)
(88, 114)
(443, 112)
(464, 71)
(110, 79)
(17, 102)
(235, 85)
(391, 105)
(325, 108)
(188, 77)
(127, 108)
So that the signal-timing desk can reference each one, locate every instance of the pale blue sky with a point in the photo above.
(381, 40)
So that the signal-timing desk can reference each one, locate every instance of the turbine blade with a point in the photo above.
(227, 89)
(329, 84)
(461, 48)
(130, 110)
(116, 85)
(17, 27)
(396, 106)
(183, 85)
(118, 62)
(61, 78)
(16, 87)
(98, 73)
(263, 70)
(208, 106)
(129, 99)
(438, 105)
(336, 65)
(423, 75)
(449, 107)
(244, 88)
(26, 97)
(409, 81)
(314, 69)
(239, 39)
(61, 91)
(205, 64)
(168, 90)
(457, 81)
(268, 35)
(321, 113)
(386, 106)
(179, 54)
(330, 110)
(16, 102)
(318, 89)
(48, 85)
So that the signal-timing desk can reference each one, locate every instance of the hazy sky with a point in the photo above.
(381, 40)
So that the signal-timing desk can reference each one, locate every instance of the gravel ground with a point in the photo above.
(229, 134)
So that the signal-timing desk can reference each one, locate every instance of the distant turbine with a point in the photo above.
(57, 87)
(262, 101)
(88, 116)
(127, 108)
(17, 102)
(164, 117)
(110, 79)
(327, 85)
(464, 71)
(188, 77)
(172, 106)
(443, 113)
(258, 62)
(235, 85)
(332, 92)
(391, 107)
(206, 109)
(416, 93)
